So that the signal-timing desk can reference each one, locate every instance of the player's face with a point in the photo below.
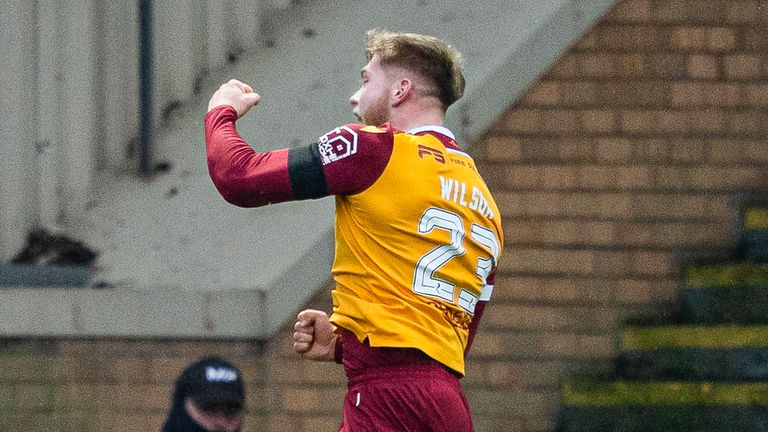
(214, 420)
(372, 102)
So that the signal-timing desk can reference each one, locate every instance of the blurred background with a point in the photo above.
(624, 141)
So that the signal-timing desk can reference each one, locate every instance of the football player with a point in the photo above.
(418, 234)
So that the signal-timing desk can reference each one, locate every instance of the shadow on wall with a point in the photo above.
(49, 260)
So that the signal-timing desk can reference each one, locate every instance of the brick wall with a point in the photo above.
(627, 150)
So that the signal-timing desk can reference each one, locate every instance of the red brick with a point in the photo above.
(634, 235)
(130, 369)
(689, 11)
(742, 11)
(489, 344)
(523, 176)
(724, 94)
(727, 150)
(565, 67)
(689, 38)
(538, 149)
(754, 37)
(526, 232)
(558, 177)
(703, 67)
(689, 93)
(721, 38)
(543, 93)
(578, 93)
(499, 148)
(588, 41)
(710, 120)
(755, 151)
(575, 149)
(559, 121)
(742, 66)
(675, 178)
(168, 369)
(679, 206)
(302, 400)
(596, 65)
(614, 149)
(510, 287)
(635, 291)
(628, 38)
(597, 177)
(596, 345)
(652, 263)
(569, 232)
(631, 11)
(667, 66)
(560, 290)
(522, 121)
(598, 121)
(720, 178)
(651, 150)
(546, 261)
(748, 122)
(630, 65)
(638, 121)
(688, 150)
(757, 95)
(327, 422)
(672, 121)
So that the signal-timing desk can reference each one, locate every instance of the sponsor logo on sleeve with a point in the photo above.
(337, 144)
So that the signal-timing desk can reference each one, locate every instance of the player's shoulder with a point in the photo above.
(355, 130)
(355, 139)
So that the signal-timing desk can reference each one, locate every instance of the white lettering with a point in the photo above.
(456, 191)
(475, 198)
(463, 194)
(220, 374)
(445, 188)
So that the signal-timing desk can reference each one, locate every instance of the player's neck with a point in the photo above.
(407, 119)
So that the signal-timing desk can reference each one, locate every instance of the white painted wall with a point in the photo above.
(70, 94)
(174, 243)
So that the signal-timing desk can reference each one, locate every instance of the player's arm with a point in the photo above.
(344, 161)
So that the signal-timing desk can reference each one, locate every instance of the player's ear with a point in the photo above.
(401, 91)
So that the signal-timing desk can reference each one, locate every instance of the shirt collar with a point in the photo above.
(433, 128)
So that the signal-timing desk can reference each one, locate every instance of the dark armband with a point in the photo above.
(305, 168)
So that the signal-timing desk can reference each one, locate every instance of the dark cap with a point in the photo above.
(212, 380)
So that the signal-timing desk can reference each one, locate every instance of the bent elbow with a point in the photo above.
(226, 185)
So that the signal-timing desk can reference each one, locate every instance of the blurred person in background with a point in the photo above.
(209, 397)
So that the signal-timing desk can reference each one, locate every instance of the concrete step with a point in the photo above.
(630, 406)
(754, 221)
(725, 293)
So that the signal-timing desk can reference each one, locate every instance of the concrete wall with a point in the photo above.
(70, 76)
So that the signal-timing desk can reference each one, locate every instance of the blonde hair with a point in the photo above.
(431, 58)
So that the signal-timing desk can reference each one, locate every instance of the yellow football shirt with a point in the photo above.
(415, 249)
